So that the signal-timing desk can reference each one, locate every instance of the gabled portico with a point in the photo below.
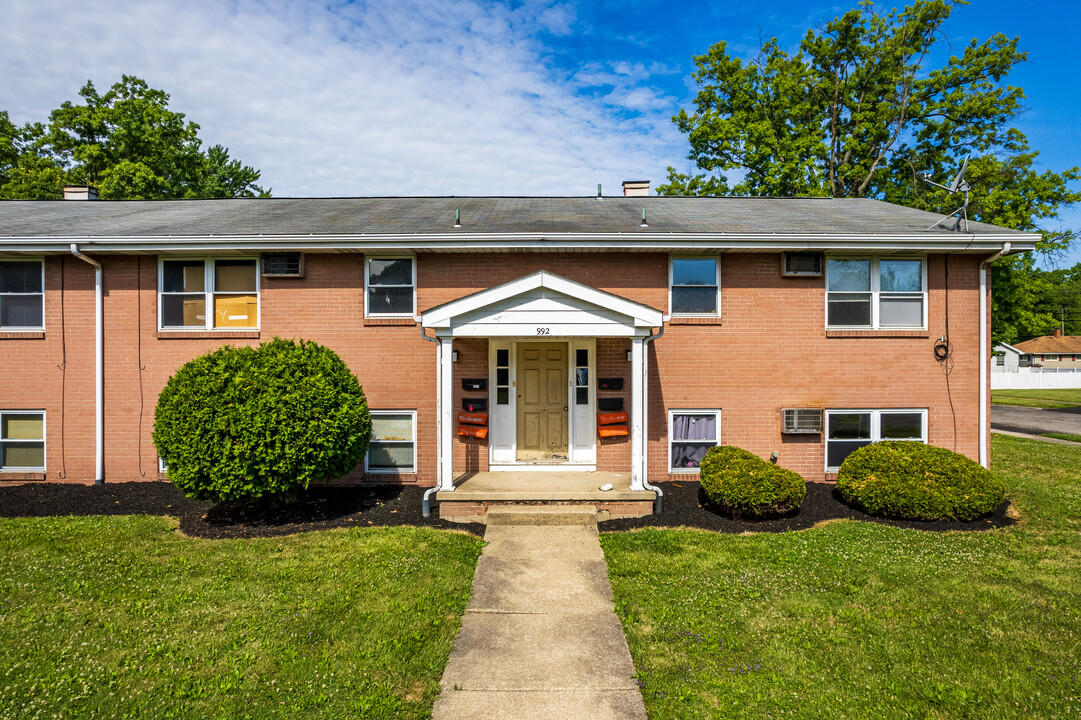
(527, 322)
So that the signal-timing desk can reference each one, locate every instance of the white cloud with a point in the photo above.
(403, 98)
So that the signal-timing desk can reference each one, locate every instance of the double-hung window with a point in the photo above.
(22, 296)
(393, 447)
(390, 285)
(849, 430)
(694, 286)
(876, 293)
(209, 294)
(22, 440)
(691, 433)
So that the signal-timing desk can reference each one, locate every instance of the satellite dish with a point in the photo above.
(959, 184)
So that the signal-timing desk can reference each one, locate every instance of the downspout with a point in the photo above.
(99, 368)
(426, 503)
(984, 368)
(658, 502)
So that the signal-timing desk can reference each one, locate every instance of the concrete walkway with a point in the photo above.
(540, 638)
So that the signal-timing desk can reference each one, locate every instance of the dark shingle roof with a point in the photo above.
(428, 215)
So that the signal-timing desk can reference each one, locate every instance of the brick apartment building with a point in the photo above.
(620, 335)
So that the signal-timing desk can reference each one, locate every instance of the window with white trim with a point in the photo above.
(691, 433)
(393, 447)
(22, 440)
(208, 294)
(22, 295)
(849, 430)
(876, 293)
(694, 286)
(390, 287)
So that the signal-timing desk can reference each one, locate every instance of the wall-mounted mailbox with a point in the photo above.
(473, 418)
(475, 404)
(609, 404)
(611, 430)
(610, 384)
(476, 431)
(474, 383)
(611, 418)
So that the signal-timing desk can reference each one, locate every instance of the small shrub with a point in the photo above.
(746, 486)
(243, 423)
(915, 481)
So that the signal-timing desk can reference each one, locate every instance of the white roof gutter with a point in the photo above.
(660, 242)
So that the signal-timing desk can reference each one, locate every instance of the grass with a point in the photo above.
(1047, 399)
(1063, 436)
(859, 620)
(121, 617)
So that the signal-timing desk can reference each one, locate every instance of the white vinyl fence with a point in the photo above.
(1035, 378)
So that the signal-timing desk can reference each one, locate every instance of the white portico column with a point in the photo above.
(638, 442)
(446, 409)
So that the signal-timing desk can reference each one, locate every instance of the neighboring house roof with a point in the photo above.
(428, 223)
(1050, 345)
(1003, 347)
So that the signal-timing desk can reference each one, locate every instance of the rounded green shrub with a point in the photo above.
(746, 486)
(915, 481)
(241, 423)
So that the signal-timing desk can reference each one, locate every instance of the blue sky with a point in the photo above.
(459, 97)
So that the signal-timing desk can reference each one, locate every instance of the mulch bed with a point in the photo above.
(320, 508)
(685, 504)
(377, 506)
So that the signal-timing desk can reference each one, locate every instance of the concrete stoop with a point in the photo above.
(476, 494)
(542, 515)
(540, 638)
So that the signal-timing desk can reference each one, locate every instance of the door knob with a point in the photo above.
(564, 408)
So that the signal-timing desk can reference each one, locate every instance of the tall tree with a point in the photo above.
(856, 111)
(126, 142)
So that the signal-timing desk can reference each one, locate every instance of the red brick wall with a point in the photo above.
(769, 351)
(470, 453)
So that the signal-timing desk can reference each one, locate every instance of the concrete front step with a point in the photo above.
(542, 515)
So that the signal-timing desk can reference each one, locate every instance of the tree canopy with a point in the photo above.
(126, 142)
(858, 111)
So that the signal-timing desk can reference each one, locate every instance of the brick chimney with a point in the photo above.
(635, 188)
(1057, 333)
(80, 192)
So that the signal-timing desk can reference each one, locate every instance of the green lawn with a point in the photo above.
(857, 620)
(1063, 436)
(1048, 399)
(121, 617)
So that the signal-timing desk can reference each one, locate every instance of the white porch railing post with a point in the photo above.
(446, 391)
(637, 416)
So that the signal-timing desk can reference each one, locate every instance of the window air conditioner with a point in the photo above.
(801, 264)
(802, 421)
(283, 264)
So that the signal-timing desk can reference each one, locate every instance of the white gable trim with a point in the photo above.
(593, 312)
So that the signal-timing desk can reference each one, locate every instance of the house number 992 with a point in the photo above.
(543, 331)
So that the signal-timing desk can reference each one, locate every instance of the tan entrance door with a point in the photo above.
(542, 401)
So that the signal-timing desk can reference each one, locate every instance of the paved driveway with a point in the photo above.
(1035, 420)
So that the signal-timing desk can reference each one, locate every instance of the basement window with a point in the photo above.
(208, 294)
(22, 441)
(849, 430)
(390, 287)
(393, 447)
(691, 433)
(22, 297)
